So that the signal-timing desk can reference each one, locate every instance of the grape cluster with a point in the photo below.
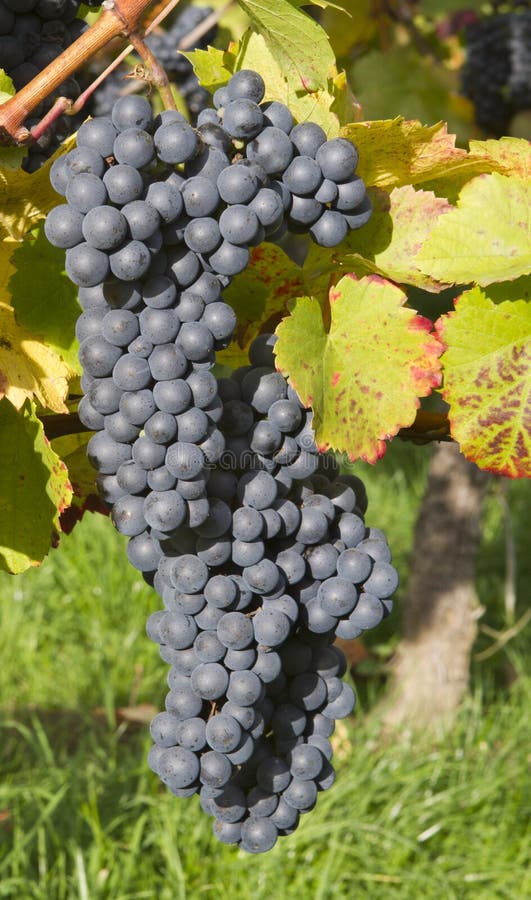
(256, 546)
(496, 75)
(164, 44)
(253, 602)
(32, 34)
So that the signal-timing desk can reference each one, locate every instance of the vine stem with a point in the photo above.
(120, 18)
(427, 428)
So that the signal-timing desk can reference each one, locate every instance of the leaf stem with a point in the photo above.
(156, 73)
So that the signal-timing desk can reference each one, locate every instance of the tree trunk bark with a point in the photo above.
(430, 671)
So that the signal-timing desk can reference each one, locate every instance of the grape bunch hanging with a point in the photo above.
(254, 541)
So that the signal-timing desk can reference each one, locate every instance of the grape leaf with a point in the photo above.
(388, 244)
(296, 41)
(328, 107)
(34, 489)
(487, 238)
(213, 67)
(396, 152)
(43, 298)
(487, 382)
(7, 88)
(25, 199)
(72, 449)
(363, 376)
(512, 155)
(28, 368)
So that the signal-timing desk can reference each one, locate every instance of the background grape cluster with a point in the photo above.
(255, 543)
(496, 75)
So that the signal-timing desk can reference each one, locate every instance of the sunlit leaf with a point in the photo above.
(487, 381)
(34, 489)
(487, 238)
(364, 374)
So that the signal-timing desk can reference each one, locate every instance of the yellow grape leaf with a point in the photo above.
(213, 67)
(487, 381)
(511, 155)
(28, 368)
(397, 151)
(362, 376)
(34, 489)
(487, 238)
(25, 199)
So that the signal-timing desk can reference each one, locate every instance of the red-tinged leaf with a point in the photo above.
(388, 244)
(487, 381)
(511, 155)
(364, 375)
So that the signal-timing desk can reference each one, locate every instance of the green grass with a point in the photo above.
(82, 817)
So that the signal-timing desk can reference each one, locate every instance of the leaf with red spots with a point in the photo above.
(72, 448)
(364, 374)
(512, 155)
(487, 381)
(34, 489)
(388, 244)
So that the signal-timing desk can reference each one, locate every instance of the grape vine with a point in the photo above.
(257, 551)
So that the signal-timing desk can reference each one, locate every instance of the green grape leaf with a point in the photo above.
(213, 67)
(7, 88)
(34, 489)
(387, 245)
(328, 107)
(72, 449)
(396, 152)
(297, 42)
(511, 155)
(487, 381)
(364, 374)
(44, 298)
(487, 238)
(519, 289)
